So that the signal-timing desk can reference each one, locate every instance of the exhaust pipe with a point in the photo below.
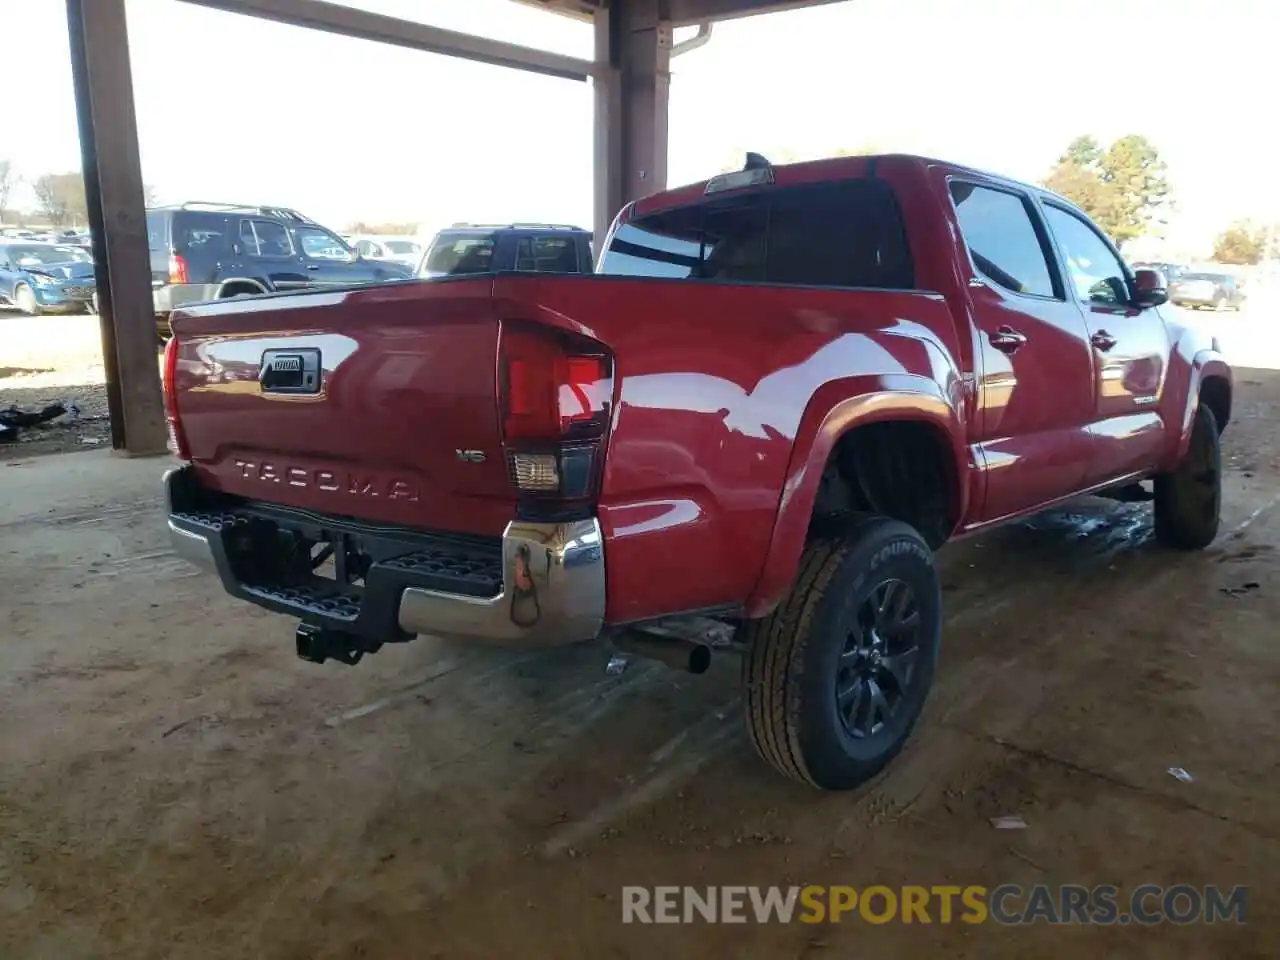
(676, 652)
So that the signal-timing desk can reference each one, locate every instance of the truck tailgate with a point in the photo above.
(379, 402)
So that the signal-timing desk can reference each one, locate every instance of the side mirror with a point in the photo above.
(1150, 289)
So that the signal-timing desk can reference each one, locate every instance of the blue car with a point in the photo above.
(46, 277)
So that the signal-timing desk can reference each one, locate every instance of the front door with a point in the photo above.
(328, 261)
(1130, 347)
(1034, 369)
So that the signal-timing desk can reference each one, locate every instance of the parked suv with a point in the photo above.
(531, 247)
(210, 251)
(1220, 291)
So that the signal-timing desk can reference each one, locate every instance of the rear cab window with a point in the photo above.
(459, 253)
(556, 253)
(835, 234)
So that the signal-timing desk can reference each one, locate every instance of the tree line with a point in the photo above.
(1125, 189)
(60, 199)
(383, 229)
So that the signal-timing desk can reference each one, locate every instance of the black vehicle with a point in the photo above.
(1221, 291)
(209, 251)
(466, 249)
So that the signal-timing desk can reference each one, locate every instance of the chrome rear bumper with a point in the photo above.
(552, 578)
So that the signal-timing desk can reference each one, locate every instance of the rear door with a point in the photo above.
(268, 252)
(1035, 371)
(1130, 348)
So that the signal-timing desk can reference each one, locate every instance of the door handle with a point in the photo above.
(1103, 340)
(313, 266)
(1006, 339)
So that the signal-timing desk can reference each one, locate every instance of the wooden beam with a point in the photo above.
(347, 21)
(103, 87)
(686, 12)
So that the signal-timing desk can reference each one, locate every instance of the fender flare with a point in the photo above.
(1206, 364)
(248, 280)
(835, 410)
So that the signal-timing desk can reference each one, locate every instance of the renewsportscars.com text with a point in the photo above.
(1103, 904)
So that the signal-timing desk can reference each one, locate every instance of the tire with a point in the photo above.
(25, 300)
(1188, 500)
(1220, 305)
(798, 658)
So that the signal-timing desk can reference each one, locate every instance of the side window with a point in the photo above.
(321, 244)
(264, 238)
(1002, 238)
(191, 233)
(248, 242)
(547, 254)
(156, 231)
(1097, 275)
(842, 234)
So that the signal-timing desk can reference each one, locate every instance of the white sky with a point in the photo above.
(236, 109)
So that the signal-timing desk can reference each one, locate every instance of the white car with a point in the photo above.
(406, 250)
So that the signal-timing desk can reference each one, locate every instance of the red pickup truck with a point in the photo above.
(780, 392)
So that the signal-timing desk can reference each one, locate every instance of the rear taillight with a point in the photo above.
(177, 268)
(177, 439)
(556, 396)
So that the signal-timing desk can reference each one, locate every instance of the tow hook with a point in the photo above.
(316, 645)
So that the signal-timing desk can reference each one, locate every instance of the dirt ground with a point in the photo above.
(175, 784)
(47, 360)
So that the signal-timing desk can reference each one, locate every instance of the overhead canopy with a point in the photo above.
(679, 13)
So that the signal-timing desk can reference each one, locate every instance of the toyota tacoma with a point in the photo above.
(779, 393)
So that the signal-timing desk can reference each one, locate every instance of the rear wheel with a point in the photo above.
(24, 299)
(836, 677)
(1188, 500)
